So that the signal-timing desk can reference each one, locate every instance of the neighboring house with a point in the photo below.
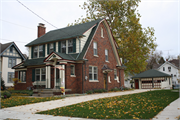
(80, 58)
(152, 79)
(10, 55)
(171, 68)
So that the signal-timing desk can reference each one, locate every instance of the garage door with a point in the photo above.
(146, 83)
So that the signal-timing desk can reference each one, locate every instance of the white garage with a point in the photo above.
(152, 79)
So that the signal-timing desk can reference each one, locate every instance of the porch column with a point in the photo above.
(63, 77)
(48, 77)
(54, 76)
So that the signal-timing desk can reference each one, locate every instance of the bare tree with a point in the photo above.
(154, 58)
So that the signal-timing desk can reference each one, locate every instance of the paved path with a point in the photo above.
(26, 112)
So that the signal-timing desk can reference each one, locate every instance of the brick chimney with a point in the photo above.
(41, 29)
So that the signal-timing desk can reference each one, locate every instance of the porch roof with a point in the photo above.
(31, 62)
(151, 74)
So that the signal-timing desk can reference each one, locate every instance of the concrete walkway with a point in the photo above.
(26, 112)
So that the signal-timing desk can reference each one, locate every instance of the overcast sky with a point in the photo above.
(18, 24)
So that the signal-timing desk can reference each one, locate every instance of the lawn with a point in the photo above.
(16, 101)
(142, 105)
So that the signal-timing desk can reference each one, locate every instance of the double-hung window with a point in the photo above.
(22, 76)
(10, 77)
(169, 69)
(70, 46)
(51, 47)
(115, 74)
(41, 51)
(63, 46)
(11, 62)
(40, 74)
(35, 52)
(93, 73)
(95, 48)
(106, 54)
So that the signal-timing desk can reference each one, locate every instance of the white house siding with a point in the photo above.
(173, 71)
(83, 40)
(5, 68)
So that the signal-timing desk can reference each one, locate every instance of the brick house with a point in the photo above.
(80, 58)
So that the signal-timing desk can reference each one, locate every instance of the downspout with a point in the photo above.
(120, 77)
(82, 79)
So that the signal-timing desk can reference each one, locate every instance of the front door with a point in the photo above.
(105, 81)
(136, 84)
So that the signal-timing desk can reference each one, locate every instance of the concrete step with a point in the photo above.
(43, 95)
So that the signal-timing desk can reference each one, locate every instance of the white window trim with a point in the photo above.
(116, 74)
(19, 76)
(109, 79)
(102, 33)
(93, 74)
(93, 80)
(38, 51)
(96, 49)
(40, 75)
(107, 56)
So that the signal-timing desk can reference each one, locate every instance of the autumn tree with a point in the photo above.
(134, 42)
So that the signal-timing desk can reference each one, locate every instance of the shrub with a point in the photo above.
(89, 92)
(20, 92)
(5, 94)
(2, 85)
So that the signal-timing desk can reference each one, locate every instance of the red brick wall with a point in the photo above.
(102, 44)
(28, 83)
(73, 82)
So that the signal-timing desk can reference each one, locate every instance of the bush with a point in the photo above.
(89, 92)
(5, 94)
(27, 92)
(2, 85)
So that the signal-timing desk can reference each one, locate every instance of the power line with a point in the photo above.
(12, 40)
(17, 24)
(36, 14)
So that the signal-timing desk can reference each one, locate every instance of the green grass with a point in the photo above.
(16, 101)
(142, 105)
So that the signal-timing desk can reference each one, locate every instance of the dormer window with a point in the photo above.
(51, 47)
(70, 46)
(163, 68)
(63, 46)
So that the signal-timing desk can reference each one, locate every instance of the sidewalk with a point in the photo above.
(26, 112)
